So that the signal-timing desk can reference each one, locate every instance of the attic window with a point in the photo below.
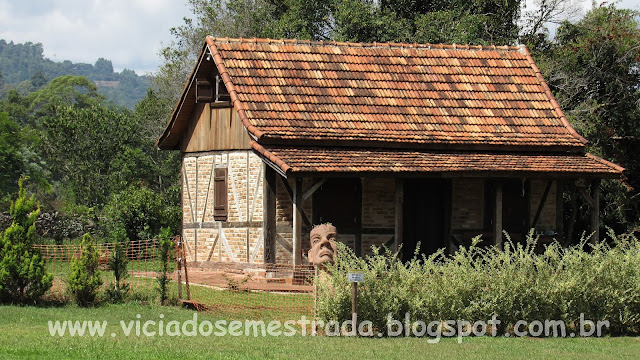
(209, 91)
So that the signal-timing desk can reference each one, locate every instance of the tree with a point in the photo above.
(23, 276)
(140, 212)
(38, 79)
(461, 21)
(166, 254)
(118, 263)
(84, 276)
(593, 69)
(92, 151)
(103, 67)
(10, 159)
(66, 90)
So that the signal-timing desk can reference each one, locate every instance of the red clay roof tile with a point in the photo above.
(345, 160)
(391, 93)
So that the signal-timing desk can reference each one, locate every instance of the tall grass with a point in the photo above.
(475, 283)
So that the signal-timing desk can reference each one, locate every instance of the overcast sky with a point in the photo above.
(130, 33)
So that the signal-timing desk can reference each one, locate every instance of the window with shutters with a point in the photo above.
(220, 203)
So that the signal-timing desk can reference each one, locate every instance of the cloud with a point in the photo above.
(127, 32)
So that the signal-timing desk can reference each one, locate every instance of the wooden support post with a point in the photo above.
(497, 217)
(354, 306)
(527, 217)
(269, 211)
(398, 213)
(448, 214)
(595, 211)
(179, 257)
(559, 210)
(297, 222)
(186, 272)
(357, 243)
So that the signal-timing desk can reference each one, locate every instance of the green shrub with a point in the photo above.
(22, 268)
(118, 263)
(84, 276)
(140, 212)
(476, 283)
(165, 248)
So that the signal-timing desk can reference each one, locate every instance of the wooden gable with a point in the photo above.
(215, 126)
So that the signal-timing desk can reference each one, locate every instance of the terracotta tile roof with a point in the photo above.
(327, 107)
(289, 91)
(317, 160)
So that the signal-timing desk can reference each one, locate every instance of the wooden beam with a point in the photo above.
(527, 218)
(595, 211)
(269, 211)
(297, 222)
(543, 200)
(215, 242)
(399, 207)
(357, 242)
(287, 187)
(497, 217)
(448, 212)
(305, 218)
(316, 185)
(586, 196)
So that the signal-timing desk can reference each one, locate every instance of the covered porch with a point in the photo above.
(439, 200)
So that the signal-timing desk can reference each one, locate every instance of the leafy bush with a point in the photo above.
(141, 212)
(165, 247)
(84, 276)
(23, 277)
(476, 283)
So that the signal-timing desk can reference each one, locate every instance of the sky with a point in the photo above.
(130, 33)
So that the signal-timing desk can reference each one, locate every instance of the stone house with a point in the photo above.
(392, 143)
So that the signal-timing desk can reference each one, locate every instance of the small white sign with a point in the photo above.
(355, 276)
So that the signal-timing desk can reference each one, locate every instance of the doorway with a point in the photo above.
(424, 215)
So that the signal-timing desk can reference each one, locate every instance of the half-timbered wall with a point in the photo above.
(378, 217)
(239, 238)
(284, 221)
(468, 205)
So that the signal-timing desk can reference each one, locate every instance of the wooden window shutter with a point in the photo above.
(220, 203)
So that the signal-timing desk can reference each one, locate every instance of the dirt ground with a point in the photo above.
(225, 280)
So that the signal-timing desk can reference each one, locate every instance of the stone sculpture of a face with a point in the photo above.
(323, 246)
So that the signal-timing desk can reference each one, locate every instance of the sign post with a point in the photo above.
(354, 277)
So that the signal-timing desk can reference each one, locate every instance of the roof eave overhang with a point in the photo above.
(166, 141)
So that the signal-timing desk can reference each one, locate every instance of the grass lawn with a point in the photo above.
(25, 334)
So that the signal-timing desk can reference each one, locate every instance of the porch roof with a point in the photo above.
(344, 161)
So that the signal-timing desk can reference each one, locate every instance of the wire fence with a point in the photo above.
(247, 290)
(142, 268)
(229, 290)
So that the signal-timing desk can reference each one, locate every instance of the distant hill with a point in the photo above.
(24, 67)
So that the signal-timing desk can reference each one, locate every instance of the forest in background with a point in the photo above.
(24, 68)
(93, 166)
